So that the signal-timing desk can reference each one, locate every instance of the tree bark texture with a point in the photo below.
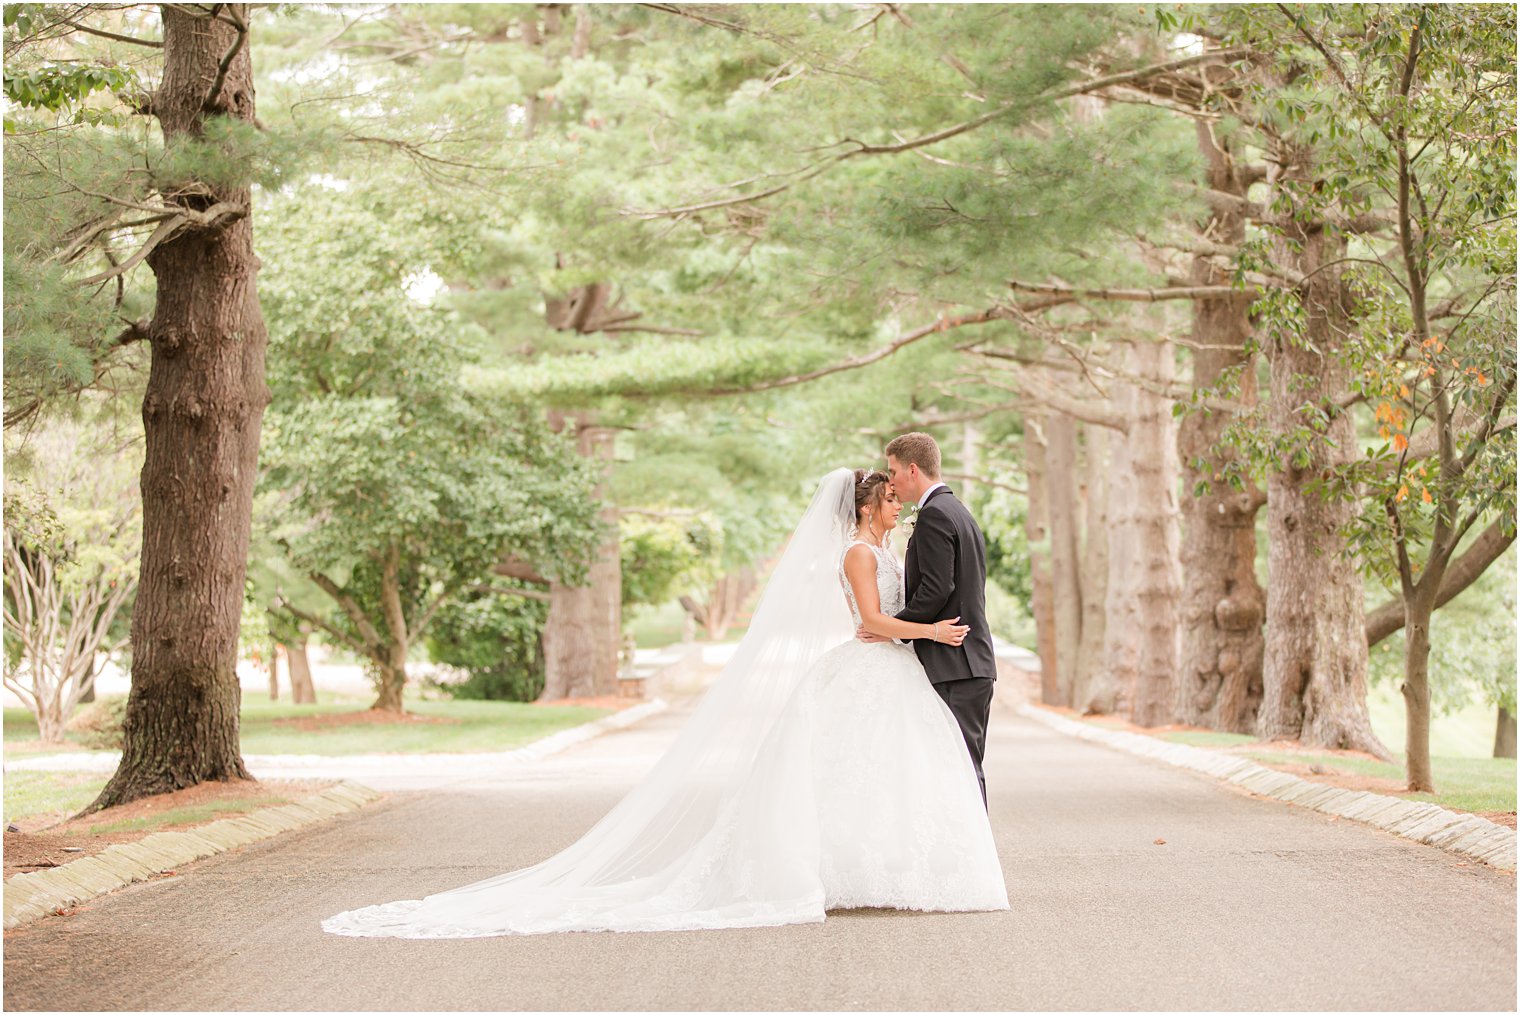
(302, 690)
(1037, 537)
(1504, 734)
(1314, 674)
(1061, 477)
(202, 412)
(274, 671)
(1094, 570)
(1223, 603)
(1419, 608)
(582, 635)
(1152, 521)
(1111, 689)
(388, 666)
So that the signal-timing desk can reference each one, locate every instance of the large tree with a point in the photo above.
(187, 195)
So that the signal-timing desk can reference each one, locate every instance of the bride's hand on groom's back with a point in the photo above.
(951, 632)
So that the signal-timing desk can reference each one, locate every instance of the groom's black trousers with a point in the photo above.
(970, 702)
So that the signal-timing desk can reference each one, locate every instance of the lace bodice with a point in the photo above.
(889, 581)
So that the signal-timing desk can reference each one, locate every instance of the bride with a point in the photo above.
(819, 772)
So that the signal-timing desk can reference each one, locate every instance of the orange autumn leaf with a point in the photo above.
(1425, 496)
(1403, 492)
(1400, 442)
(1403, 391)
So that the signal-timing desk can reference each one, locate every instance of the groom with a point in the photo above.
(947, 577)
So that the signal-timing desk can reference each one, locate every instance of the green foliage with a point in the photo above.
(664, 557)
(372, 452)
(494, 637)
(98, 725)
(53, 86)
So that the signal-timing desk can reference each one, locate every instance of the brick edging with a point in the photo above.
(1422, 822)
(30, 896)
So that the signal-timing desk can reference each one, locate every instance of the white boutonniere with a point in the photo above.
(907, 522)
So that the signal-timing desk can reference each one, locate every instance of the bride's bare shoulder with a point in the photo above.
(859, 558)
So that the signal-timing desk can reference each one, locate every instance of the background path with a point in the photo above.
(1249, 904)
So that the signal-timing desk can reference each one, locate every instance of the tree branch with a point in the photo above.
(376, 646)
(1181, 292)
(210, 102)
(862, 148)
(1463, 571)
(941, 325)
(207, 219)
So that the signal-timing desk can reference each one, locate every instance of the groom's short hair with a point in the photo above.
(916, 449)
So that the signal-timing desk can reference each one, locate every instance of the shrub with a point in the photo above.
(494, 638)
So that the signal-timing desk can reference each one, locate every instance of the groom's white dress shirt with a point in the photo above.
(927, 492)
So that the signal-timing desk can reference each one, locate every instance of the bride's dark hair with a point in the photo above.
(870, 488)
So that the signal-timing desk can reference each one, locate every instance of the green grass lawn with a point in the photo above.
(192, 815)
(1462, 783)
(28, 793)
(467, 726)
(1465, 733)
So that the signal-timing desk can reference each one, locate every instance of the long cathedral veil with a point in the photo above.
(627, 860)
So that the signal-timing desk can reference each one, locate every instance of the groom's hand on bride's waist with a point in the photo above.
(866, 636)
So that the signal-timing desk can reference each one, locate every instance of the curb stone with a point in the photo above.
(1422, 822)
(31, 896)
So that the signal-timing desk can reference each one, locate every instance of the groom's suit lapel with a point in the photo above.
(910, 558)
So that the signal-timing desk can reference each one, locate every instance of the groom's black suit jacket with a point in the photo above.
(946, 576)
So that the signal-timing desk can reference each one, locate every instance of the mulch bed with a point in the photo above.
(368, 717)
(51, 840)
(611, 701)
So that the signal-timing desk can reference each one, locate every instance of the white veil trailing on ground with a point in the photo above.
(643, 864)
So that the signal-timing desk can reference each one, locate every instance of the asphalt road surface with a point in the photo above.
(1248, 904)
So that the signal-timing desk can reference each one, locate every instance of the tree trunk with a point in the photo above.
(582, 635)
(1061, 497)
(390, 670)
(580, 43)
(971, 458)
(274, 671)
(1416, 690)
(1314, 674)
(202, 412)
(724, 600)
(50, 722)
(1153, 521)
(1094, 571)
(728, 599)
(1037, 537)
(1223, 603)
(88, 695)
(390, 681)
(1504, 735)
(302, 690)
(1111, 689)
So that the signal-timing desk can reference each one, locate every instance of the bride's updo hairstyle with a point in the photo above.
(870, 490)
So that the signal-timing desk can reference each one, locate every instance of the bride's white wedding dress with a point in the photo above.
(860, 793)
